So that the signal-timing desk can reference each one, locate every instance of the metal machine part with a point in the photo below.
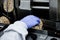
(37, 35)
(49, 12)
(22, 11)
(55, 12)
(16, 3)
(25, 4)
(1, 26)
(40, 35)
(41, 0)
(52, 38)
(40, 8)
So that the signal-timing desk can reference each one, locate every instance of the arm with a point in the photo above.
(21, 27)
(18, 27)
(11, 35)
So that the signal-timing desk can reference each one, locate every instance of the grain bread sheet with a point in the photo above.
(40, 26)
(4, 20)
(8, 5)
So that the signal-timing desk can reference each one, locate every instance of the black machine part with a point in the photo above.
(40, 35)
(37, 35)
(51, 16)
(3, 26)
(20, 12)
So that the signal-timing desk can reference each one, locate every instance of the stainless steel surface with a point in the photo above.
(40, 7)
(38, 35)
(50, 37)
(25, 4)
(55, 10)
(41, 0)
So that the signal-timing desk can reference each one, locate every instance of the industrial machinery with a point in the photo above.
(47, 10)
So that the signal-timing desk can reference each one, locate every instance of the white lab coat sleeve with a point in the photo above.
(19, 27)
(11, 35)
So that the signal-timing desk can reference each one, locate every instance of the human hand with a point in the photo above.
(30, 21)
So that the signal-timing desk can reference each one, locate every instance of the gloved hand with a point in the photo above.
(30, 21)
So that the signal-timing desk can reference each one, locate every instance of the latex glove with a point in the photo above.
(30, 21)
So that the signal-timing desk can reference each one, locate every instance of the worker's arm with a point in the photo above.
(11, 35)
(14, 30)
(18, 30)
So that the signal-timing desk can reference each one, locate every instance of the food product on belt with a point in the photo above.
(1, 20)
(40, 26)
(8, 5)
(4, 20)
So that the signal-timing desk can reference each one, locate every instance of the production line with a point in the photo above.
(47, 10)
